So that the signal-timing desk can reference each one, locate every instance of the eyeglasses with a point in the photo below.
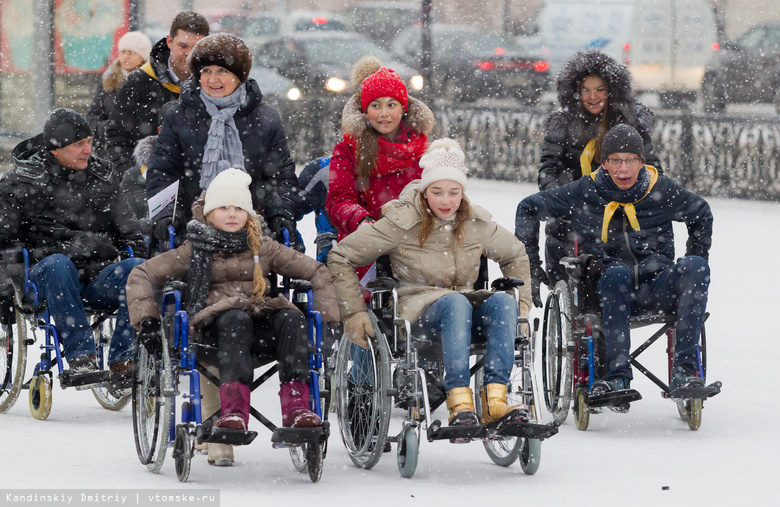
(615, 163)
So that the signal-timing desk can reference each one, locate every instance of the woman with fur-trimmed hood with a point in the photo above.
(385, 134)
(595, 94)
(134, 49)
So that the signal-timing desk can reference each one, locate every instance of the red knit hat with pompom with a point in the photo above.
(383, 83)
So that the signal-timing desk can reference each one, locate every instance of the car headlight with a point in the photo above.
(417, 82)
(293, 94)
(336, 84)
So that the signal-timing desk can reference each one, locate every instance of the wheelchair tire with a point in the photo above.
(556, 354)
(690, 412)
(530, 455)
(151, 409)
(362, 404)
(182, 453)
(581, 409)
(408, 452)
(298, 457)
(502, 451)
(315, 457)
(102, 344)
(40, 397)
(13, 361)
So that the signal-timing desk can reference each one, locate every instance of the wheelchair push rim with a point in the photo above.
(13, 361)
(104, 331)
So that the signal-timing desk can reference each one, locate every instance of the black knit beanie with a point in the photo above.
(223, 49)
(622, 138)
(64, 127)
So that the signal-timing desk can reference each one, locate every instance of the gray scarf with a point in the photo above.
(223, 148)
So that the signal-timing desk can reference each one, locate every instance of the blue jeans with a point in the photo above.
(449, 321)
(680, 289)
(58, 283)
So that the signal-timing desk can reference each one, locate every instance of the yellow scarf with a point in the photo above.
(628, 207)
(587, 157)
(147, 67)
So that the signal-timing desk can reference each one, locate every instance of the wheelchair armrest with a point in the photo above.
(175, 285)
(506, 283)
(383, 283)
(300, 285)
(570, 262)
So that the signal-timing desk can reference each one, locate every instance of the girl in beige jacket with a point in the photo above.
(435, 239)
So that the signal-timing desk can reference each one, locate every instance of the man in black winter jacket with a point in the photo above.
(136, 109)
(623, 214)
(65, 208)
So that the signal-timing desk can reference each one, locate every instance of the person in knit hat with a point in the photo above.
(622, 214)
(226, 261)
(385, 134)
(134, 49)
(221, 122)
(435, 238)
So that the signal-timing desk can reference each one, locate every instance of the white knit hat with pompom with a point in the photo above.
(229, 188)
(443, 160)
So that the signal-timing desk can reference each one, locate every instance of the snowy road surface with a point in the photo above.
(647, 457)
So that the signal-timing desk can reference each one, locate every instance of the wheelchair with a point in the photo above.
(365, 390)
(574, 352)
(174, 371)
(20, 328)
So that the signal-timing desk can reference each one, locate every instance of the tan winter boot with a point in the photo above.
(209, 404)
(494, 405)
(460, 403)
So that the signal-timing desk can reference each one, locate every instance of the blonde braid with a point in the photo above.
(254, 237)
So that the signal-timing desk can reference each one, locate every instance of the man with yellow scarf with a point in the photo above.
(622, 214)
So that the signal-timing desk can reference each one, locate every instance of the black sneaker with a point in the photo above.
(602, 387)
(682, 380)
(84, 363)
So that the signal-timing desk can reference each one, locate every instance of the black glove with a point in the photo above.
(538, 277)
(161, 229)
(149, 336)
(276, 224)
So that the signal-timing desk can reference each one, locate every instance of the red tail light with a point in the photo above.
(319, 20)
(541, 66)
(626, 50)
(715, 46)
(484, 65)
(499, 51)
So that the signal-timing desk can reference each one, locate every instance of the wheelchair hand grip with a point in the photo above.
(382, 283)
(506, 283)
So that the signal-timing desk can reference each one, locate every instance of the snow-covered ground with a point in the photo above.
(647, 457)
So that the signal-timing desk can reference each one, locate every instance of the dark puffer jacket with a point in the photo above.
(646, 251)
(178, 154)
(50, 209)
(136, 107)
(569, 130)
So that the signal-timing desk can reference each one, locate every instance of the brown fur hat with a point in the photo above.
(223, 49)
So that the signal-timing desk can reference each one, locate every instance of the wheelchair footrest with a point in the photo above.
(524, 429)
(290, 437)
(227, 436)
(83, 380)
(697, 392)
(455, 434)
(614, 398)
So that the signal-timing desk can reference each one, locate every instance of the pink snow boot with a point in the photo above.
(295, 406)
(234, 400)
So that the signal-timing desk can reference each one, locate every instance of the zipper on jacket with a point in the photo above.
(628, 246)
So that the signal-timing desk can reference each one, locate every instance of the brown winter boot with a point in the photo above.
(460, 403)
(209, 403)
(494, 405)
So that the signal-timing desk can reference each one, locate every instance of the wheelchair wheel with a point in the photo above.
(102, 344)
(13, 361)
(315, 457)
(151, 408)
(298, 457)
(40, 397)
(581, 409)
(408, 452)
(363, 408)
(502, 451)
(182, 453)
(556, 355)
(690, 412)
(530, 455)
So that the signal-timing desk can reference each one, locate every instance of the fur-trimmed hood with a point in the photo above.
(142, 154)
(572, 122)
(114, 76)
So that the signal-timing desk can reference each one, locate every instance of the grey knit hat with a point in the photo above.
(622, 139)
(64, 127)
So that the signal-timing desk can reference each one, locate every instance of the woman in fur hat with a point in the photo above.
(595, 94)
(385, 134)
(226, 261)
(221, 122)
(435, 239)
(134, 49)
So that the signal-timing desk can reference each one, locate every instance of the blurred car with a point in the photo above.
(746, 70)
(383, 21)
(320, 62)
(227, 20)
(469, 63)
(266, 25)
(274, 86)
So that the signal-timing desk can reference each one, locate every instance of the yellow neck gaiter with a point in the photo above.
(628, 207)
(147, 67)
(586, 159)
